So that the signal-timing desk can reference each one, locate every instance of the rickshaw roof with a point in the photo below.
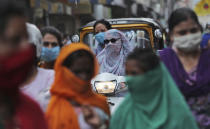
(122, 21)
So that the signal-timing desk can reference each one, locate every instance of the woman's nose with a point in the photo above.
(50, 46)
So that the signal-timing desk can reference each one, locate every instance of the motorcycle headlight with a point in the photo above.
(107, 87)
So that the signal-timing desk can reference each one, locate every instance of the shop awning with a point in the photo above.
(52, 6)
(85, 1)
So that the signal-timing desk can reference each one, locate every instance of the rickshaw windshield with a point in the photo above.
(138, 37)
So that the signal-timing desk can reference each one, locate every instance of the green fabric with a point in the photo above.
(154, 102)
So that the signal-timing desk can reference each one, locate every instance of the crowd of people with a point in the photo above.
(45, 84)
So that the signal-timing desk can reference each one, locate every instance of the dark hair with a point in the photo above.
(104, 22)
(76, 55)
(53, 31)
(146, 58)
(9, 9)
(180, 15)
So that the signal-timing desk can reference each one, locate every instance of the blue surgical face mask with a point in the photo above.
(50, 54)
(100, 37)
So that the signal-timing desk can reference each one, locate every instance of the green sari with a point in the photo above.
(154, 102)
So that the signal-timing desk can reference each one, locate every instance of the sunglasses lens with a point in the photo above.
(46, 44)
(106, 41)
(54, 44)
(113, 40)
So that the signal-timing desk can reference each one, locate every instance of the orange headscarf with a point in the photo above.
(60, 113)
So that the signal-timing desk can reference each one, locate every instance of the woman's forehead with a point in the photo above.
(189, 23)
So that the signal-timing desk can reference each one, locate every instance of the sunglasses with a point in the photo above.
(53, 44)
(106, 41)
(192, 30)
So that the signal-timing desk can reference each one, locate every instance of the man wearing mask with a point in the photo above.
(16, 60)
(52, 43)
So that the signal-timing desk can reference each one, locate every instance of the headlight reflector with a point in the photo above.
(107, 87)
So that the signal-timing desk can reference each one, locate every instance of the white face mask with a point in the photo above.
(188, 43)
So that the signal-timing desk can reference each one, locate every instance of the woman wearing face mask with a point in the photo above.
(188, 64)
(113, 56)
(73, 104)
(52, 42)
(17, 111)
(154, 101)
(100, 27)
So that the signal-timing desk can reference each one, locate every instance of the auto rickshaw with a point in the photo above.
(143, 32)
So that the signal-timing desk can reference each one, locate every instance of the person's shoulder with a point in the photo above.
(48, 71)
(205, 52)
(205, 56)
(28, 102)
(47, 75)
(30, 113)
(165, 51)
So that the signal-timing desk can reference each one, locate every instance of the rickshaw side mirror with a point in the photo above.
(158, 34)
(75, 38)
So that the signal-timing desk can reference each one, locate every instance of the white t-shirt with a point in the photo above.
(39, 88)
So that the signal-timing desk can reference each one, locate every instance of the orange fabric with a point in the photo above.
(60, 113)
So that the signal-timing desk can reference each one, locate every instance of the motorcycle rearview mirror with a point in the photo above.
(75, 38)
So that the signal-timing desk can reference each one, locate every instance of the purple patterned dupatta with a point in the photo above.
(188, 86)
